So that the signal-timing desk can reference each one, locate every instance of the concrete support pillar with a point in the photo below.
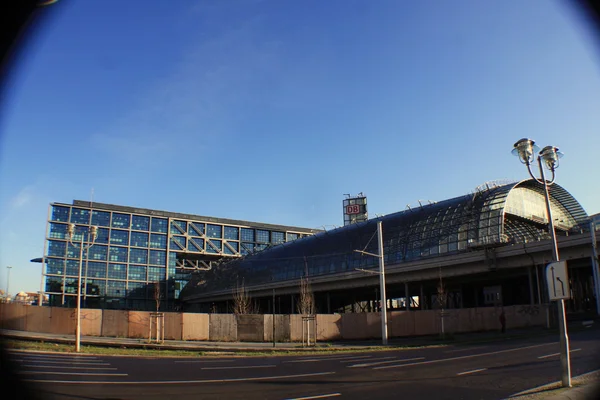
(407, 295)
(421, 297)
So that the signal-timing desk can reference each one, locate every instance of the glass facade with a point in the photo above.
(497, 216)
(136, 248)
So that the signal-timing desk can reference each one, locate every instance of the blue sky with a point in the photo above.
(271, 110)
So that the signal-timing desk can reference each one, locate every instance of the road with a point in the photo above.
(478, 371)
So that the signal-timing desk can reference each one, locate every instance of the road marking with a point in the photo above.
(549, 385)
(557, 354)
(203, 361)
(467, 349)
(384, 362)
(242, 367)
(371, 359)
(321, 396)
(59, 367)
(260, 378)
(71, 373)
(471, 372)
(327, 359)
(67, 362)
(463, 357)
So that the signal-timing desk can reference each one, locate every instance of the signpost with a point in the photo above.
(557, 278)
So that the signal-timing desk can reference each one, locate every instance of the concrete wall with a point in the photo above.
(229, 327)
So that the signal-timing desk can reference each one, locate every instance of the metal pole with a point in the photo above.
(565, 360)
(595, 265)
(78, 327)
(273, 317)
(384, 331)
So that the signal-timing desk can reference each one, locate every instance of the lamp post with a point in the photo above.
(8, 280)
(93, 234)
(548, 157)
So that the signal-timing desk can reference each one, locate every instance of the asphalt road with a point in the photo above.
(478, 371)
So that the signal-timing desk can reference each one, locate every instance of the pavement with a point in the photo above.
(583, 392)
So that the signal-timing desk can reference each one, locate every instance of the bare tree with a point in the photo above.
(242, 302)
(306, 303)
(157, 294)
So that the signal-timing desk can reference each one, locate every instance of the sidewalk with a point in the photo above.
(588, 391)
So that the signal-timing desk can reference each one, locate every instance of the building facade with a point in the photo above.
(141, 255)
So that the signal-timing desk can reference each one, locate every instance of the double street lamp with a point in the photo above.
(92, 234)
(548, 157)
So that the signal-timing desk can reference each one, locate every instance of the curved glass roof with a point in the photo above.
(501, 215)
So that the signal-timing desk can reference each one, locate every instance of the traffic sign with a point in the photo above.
(557, 278)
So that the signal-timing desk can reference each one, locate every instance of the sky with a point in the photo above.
(271, 111)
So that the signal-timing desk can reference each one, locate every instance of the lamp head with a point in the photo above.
(94, 232)
(70, 230)
(550, 156)
(524, 149)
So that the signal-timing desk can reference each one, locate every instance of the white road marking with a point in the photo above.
(59, 367)
(242, 367)
(464, 357)
(66, 362)
(370, 359)
(321, 396)
(557, 354)
(471, 372)
(202, 361)
(384, 362)
(71, 373)
(327, 359)
(260, 378)
(467, 349)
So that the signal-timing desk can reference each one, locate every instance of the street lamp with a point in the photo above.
(93, 234)
(8, 280)
(548, 157)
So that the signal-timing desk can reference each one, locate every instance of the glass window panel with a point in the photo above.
(80, 216)
(196, 229)
(156, 274)
(100, 218)
(172, 260)
(58, 231)
(160, 225)
(158, 241)
(137, 272)
(115, 289)
(136, 290)
(178, 243)
(55, 266)
(54, 284)
(247, 248)
(178, 227)
(96, 269)
(139, 239)
(121, 220)
(158, 257)
(196, 244)
(234, 245)
(248, 234)
(56, 248)
(139, 256)
(140, 223)
(262, 236)
(277, 237)
(118, 254)
(71, 286)
(232, 233)
(72, 268)
(60, 213)
(102, 236)
(119, 237)
(97, 252)
(96, 287)
(214, 231)
(292, 236)
(216, 248)
(72, 251)
(117, 271)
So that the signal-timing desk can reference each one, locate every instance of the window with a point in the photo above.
(158, 241)
(56, 248)
(247, 235)
(120, 220)
(172, 260)
(139, 256)
(277, 237)
(96, 287)
(117, 271)
(196, 244)
(196, 229)
(136, 290)
(178, 227)
(118, 254)
(262, 236)
(119, 237)
(72, 251)
(72, 268)
(55, 266)
(140, 223)
(80, 216)
(247, 248)
(232, 233)
(115, 289)
(60, 213)
(139, 239)
(160, 225)
(54, 284)
(57, 231)
(102, 236)
(100, 218)
(137, 273)
(158, 257)
(215, 248)
(178, 243)
(213, 231)
(156, 274)
(97, 252)
(292, 236)
(96, 269)
(227, 246)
